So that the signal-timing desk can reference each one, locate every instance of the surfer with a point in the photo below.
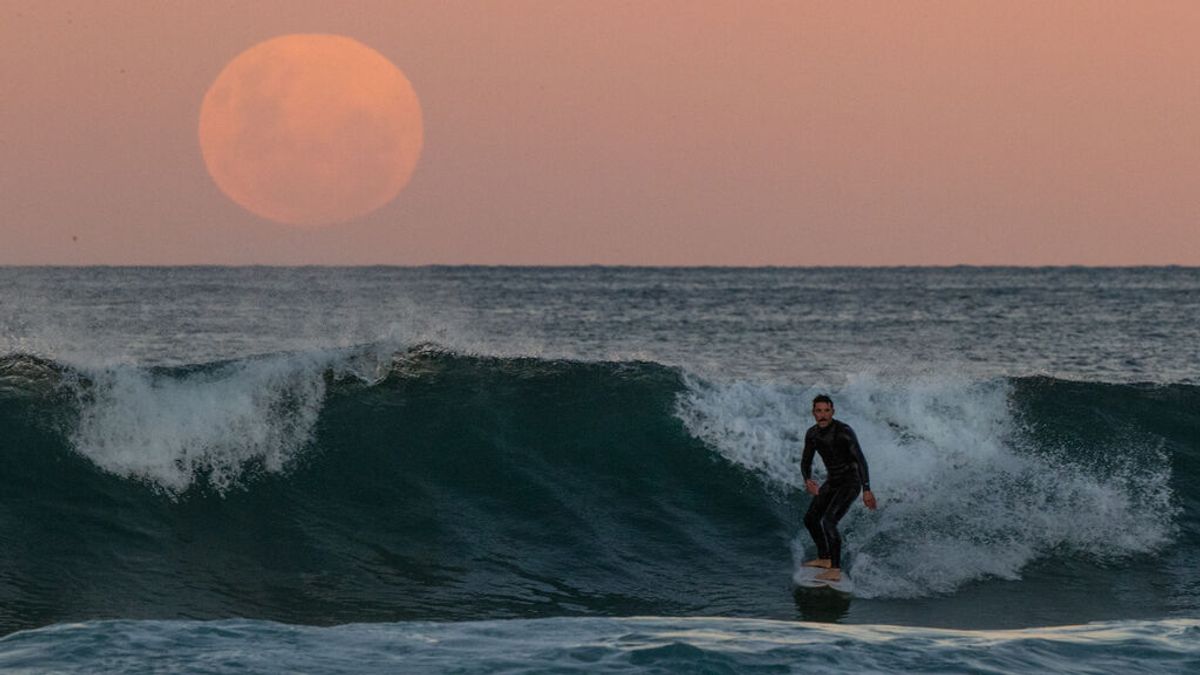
(846, 474)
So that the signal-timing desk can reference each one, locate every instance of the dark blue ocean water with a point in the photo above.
(594, 468)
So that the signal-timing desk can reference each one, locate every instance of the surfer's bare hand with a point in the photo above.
(812, 487)
(869, 500)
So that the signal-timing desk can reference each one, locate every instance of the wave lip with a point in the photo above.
(170, 430)
(26, 375)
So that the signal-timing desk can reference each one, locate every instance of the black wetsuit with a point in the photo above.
(846, 475)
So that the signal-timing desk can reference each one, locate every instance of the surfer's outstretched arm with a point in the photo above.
(860, 462)
(807, 457)
(806, 460)
(856, 456)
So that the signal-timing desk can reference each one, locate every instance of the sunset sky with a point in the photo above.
(635, 133)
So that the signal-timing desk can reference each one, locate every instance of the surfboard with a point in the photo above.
(806, 577)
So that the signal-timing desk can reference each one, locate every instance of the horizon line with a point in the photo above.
(583, 266)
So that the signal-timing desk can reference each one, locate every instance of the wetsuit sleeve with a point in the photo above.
(864, 475)
(806, 458)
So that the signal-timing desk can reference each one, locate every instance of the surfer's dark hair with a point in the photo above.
(822, 398)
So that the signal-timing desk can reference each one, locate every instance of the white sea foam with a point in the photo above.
(172, 429)
(964, 491)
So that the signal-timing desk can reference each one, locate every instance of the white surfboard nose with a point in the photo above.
(806, 577)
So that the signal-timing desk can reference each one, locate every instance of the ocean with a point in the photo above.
(475, 469)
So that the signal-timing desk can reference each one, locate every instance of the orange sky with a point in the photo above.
(644, 133)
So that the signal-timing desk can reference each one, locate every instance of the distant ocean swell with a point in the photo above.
(350, 486)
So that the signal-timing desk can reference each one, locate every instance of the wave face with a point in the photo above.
(353, 485)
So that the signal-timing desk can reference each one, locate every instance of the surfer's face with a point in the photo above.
(823, 414)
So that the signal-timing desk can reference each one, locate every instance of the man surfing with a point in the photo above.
(846, 474)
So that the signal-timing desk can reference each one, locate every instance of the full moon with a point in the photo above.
(311, 129)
